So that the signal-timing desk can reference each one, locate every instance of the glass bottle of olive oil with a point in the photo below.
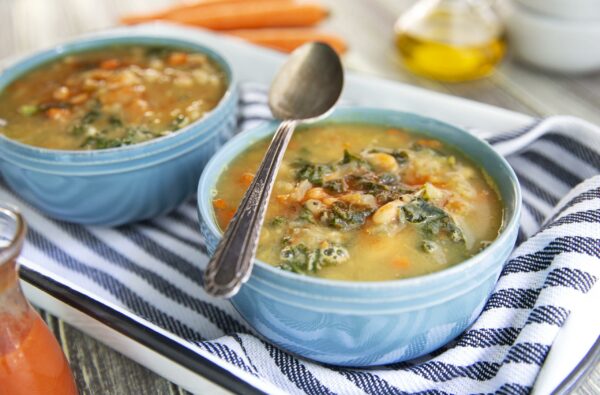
(451, 40)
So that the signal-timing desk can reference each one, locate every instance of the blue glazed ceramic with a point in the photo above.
(370, 323)
(118, 185)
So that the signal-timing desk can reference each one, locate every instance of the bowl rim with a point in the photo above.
(24, 65)
(219, 162)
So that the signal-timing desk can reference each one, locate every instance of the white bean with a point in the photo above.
(382, 161)
(360, 199)
(316, 193)
(388, 212)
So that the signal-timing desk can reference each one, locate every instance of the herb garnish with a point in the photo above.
(301, 259)
(178, 122)
(278, 221)
(133, 136)
(157, 52)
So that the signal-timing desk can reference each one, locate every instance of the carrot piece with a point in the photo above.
(110, 64)
(78, 99)
(401, 263)
(262, 14)
(246, 15)
(227, 215)
(58, 114)
(219, 204)
(288, 39)
(180, 9)
(177, 59)
(440, 184)
(413, 179)
(455, 205)
(246, 179)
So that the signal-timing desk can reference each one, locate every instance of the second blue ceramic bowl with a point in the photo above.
(370, 323)
(118, 185)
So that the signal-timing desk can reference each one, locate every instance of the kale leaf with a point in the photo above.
(434, 221)
(278, 221)
(115, 121)
(428, 246)
(312, 172)
(297, 259)
(367, 182)
(101, 142)
(419, 211)
(336, 186)
(303, 260)
(400, 156)
(156, 52)
(133, 136)
(346, 217)
(351, 158)
(306, 215)
(91, 116)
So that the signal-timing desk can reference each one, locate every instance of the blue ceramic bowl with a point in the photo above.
(118, 185)
(370, 323)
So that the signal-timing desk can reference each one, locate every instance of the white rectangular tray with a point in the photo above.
(117, 327)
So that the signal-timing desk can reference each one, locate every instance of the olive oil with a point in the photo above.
(449, 62)
(451, 40)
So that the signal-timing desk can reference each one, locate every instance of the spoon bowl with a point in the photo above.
(308, 84)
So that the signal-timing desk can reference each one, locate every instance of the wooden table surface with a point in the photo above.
(26, 25)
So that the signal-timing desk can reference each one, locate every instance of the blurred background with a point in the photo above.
(550, 66)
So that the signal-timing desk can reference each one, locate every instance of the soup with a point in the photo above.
(367, 203)
(110, 97)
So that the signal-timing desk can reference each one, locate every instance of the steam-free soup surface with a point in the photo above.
(366, 203)
(110, 97)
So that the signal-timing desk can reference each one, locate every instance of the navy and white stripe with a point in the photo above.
(154, 269)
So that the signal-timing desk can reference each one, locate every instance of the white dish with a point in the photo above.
(585, 10)
(553, 44)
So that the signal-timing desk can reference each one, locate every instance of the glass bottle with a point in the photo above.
(31, 361)
(451, 40)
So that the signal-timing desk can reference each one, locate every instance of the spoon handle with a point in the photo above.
(231, 264)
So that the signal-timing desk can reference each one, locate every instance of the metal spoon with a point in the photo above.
(305, 88)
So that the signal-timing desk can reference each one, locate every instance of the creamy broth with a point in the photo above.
(367, 203)
(110, 97)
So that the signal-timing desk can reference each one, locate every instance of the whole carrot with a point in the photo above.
(250, 15)
(179, 9)
(288, 39)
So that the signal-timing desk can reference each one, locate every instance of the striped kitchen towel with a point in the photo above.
(154, 268)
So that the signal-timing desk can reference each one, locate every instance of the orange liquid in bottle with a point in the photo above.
(36, 365)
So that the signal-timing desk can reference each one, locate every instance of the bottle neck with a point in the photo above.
(12, 300)
(16, 315)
